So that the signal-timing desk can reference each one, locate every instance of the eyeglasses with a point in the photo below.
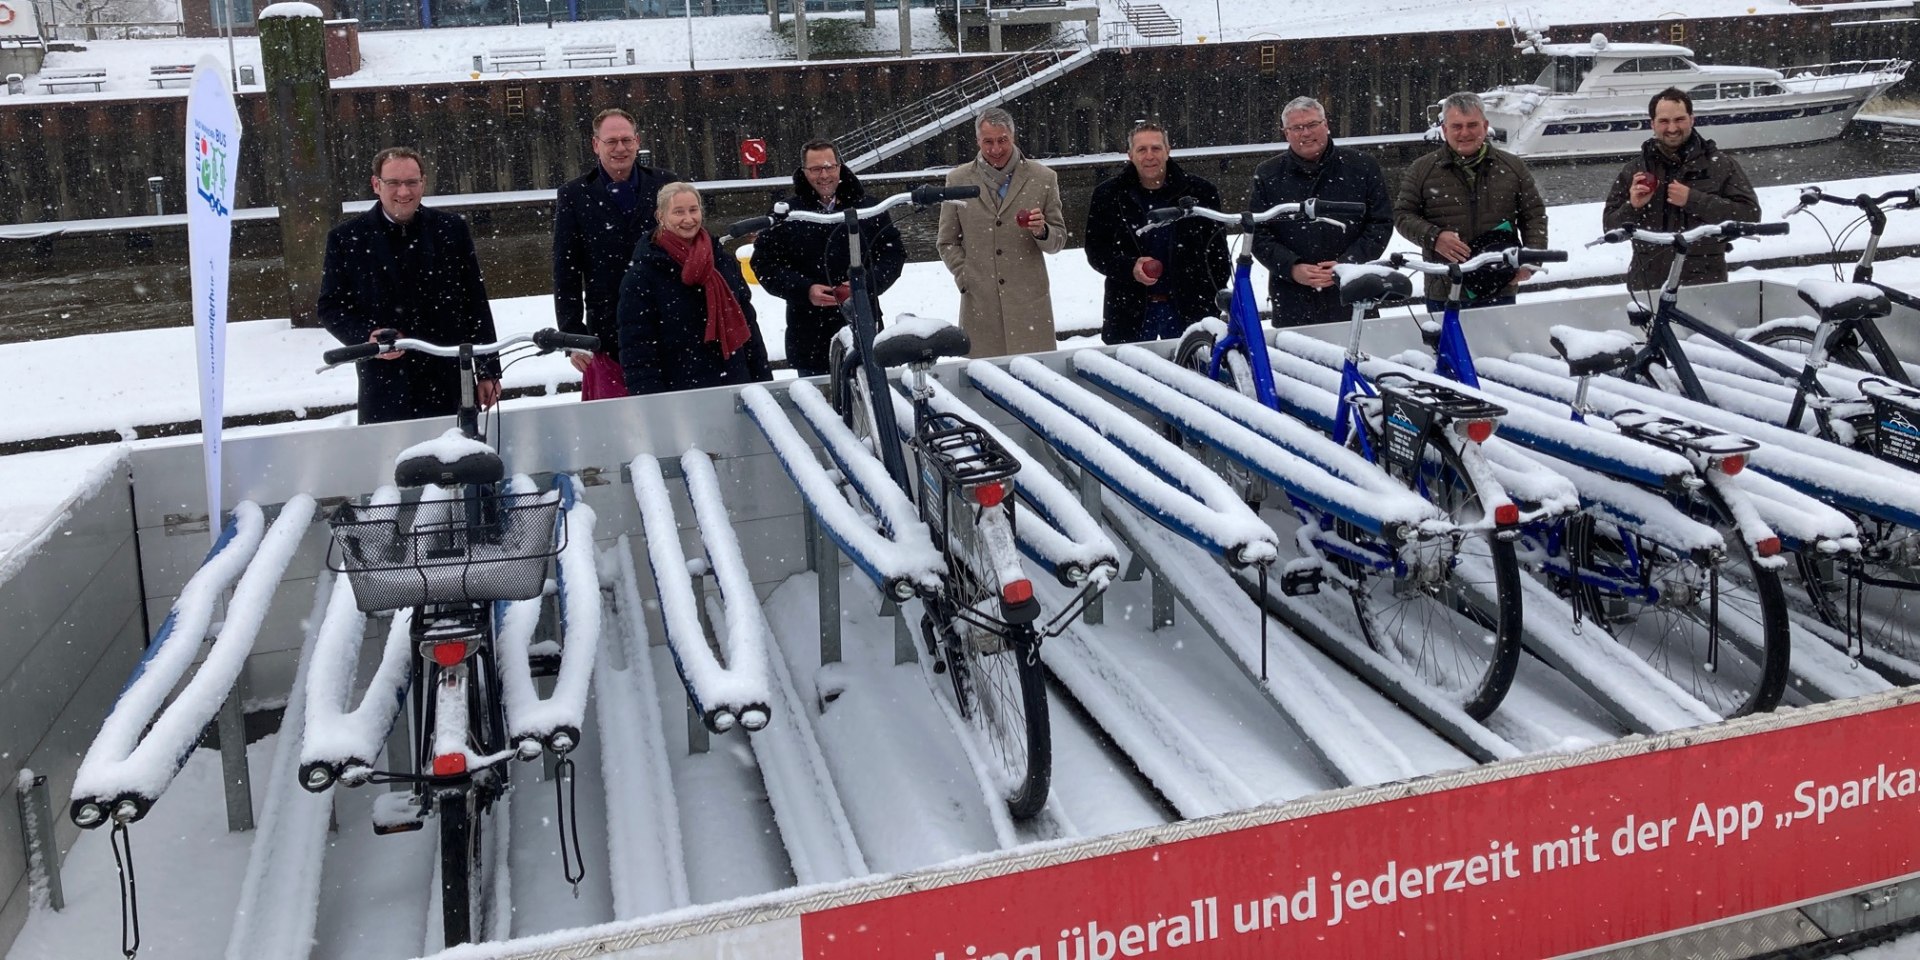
(823, 168)
(1304, 127)
(413, 184)
(619, 141)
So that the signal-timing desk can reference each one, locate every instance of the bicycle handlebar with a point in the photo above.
(1311, 209)
(547, 340)
(921, 196)
(1515, 257)
(1909, 200)
(1731, 229)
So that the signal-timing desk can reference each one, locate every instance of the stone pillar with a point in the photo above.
(906, 28)
(293, 54)
(802, 50)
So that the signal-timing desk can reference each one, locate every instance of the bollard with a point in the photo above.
(16, 84)
(36, 834)
(476, 63)
(157, 186)
(247, 75)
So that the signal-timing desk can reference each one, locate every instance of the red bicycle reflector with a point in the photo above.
(1768, 547)
(1734, 464)
(989, 494)
(449, 764)
(1506, 514)
(448, 654)
(1019, 591)
(1478, 430)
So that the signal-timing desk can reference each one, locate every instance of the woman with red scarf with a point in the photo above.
(686, 315)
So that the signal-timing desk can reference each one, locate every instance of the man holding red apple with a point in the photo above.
(1679, 181)
(1159, 283)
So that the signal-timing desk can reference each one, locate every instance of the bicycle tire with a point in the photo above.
(1889, 615)
(1845, 353)
(1409, 620)
(1675, 633)
(1195, 352)
(462, 885)
(1002, 695)
(848, 393)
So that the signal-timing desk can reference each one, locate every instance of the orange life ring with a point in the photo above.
(6, 14)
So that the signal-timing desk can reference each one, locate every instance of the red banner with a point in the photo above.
(1533, 866)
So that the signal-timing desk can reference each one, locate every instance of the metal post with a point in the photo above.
(156, 186)
(1162, 603)
(823, 558)
(233, 61)
(906, 28)
(696, 727)
(235, 778)
(1090, 487)
(801, 48)
(696, 730)
(36, 835)
(903, 651)
(400, 749)
(689, 4)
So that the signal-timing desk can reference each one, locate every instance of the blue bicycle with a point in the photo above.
(1442, 597)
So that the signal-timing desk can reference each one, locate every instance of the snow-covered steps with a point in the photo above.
(141, 746)
(1130, 458)
(884, 536)
(554, 721)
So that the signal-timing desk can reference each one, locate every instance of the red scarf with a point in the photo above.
(726, 323)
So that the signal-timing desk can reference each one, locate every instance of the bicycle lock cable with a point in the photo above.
(122, 842)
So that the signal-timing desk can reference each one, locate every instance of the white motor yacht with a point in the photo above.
(1592, 98)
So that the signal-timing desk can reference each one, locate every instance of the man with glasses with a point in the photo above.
(1159, 283)
(406, 270)
(806, 265)
(1300, 256)
(598, 218)
(1468, 198)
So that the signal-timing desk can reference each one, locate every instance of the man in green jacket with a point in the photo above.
(1467, 198)
(1679, 181)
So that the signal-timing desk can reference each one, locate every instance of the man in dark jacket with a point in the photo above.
(413, 270)
(598, 218)
(1159, 283)
(1678, 182)
(1467, 198)
(802, 263)
(1300, 256)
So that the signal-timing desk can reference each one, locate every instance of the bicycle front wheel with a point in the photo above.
(1195, 353)
(1451, 614)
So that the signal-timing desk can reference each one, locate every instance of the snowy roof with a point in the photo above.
(1614, 50)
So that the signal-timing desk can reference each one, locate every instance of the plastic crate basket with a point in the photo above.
(400, 555)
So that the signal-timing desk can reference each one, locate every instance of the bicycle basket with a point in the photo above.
(401, 555)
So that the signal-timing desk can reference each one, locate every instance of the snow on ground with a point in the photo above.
(446, 54)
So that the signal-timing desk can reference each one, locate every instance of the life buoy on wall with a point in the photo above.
(6, 14)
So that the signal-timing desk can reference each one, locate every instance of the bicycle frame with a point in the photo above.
(1243, 327)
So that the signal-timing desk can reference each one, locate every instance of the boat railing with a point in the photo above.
(1842, 73)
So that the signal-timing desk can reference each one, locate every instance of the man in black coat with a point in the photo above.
(598, 219)
(1300, 255)
(1159, 283)
(802, 263)
(1680, 181)
(410, 269)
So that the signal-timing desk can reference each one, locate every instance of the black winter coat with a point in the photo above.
(1718, 191)
(1345, 175)
(663, 328)
(592, 244)
(793, 256)
(1198, 268)
(429, 289)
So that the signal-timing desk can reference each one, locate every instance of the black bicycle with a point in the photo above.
(443, 561)
(1858, 344)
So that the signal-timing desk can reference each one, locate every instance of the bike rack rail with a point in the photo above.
(555, 720)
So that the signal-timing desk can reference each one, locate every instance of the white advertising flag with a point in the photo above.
(213, 146)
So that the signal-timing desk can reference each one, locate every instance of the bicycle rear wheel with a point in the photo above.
(1846, 353)
(1875, 602)
(1718, 630)
(1454, 619)
(463, 906)
(1195, 353)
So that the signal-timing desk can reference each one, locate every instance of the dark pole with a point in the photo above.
(293, 54)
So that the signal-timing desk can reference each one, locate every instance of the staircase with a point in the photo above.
(1150, 20)
(922, 120)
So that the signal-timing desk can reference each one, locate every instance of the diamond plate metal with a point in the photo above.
(1730, 941)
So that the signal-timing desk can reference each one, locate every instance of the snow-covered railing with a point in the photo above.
(1130, 458)
(554, 720)
(141, 747)
(899, 555)
(723, 693)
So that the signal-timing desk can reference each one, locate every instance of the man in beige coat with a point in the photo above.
(1006, 303)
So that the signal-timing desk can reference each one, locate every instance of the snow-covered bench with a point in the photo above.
(576, 54)
(534, 57)
(72, 78)
(164, 73)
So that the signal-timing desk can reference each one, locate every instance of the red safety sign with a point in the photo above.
(753, 151)
(1532, 865)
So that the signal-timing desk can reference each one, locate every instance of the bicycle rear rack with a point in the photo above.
(965, 455)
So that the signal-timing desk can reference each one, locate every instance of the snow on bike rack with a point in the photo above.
(1129, 458)
(555, 720)
(334, 736)
(140, 746)
(901, 557)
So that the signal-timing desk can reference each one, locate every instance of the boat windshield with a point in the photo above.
(1565, 74)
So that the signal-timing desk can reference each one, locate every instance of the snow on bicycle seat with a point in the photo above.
(915, 339)
(1371, 283)
(451, 458)
(1590, 352)
(1844, 301)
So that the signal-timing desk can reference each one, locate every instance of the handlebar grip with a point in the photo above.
(1165, 214)
(927, 196)
(358, 351)
(550, 340)
(743, 227)
(1344, 208)
(1769, 229)
(1543, 256)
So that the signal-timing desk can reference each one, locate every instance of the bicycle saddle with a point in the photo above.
(1590, 352)
(1366, 283)
(1844, 301)
(448, 459)
(912, 339)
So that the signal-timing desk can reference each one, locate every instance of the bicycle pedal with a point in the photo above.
(1302, 583)
(396, 813)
